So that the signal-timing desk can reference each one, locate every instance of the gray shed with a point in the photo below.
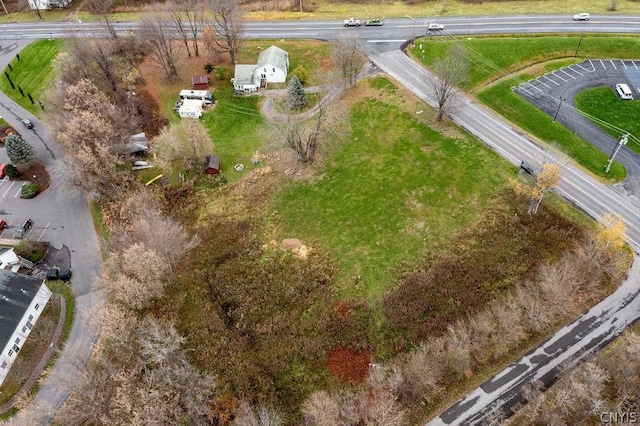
(212, 165)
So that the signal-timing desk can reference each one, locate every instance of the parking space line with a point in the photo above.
(10, 186)
(573, 77)
(623, 64)
(44, 230)
(614, 65)
(542, 83)
(576, 71)
(557, 84)
(533, 86)
(556, 75)
(634, 64)
(603, 65)
(19, 191)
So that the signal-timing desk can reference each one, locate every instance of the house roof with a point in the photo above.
(200, 79)
(137, 143)
(273, 56)
(244, 74)
(16, 293)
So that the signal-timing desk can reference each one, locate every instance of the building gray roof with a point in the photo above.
(274, 56)
(137, 143)
(244, 74)
(16, 293)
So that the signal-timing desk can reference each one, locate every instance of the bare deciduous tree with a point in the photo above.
(226, 26)
(102, 8)
(304, 137)
(160, 41)
(448, 73)
(380, 407)
(187, 143)
(346, 58)
(321, 409)
(260, 416)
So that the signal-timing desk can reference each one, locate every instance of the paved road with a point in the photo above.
(59, 220)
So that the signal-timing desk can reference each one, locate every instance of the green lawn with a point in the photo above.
(33, 73)
(509, 104)
(237, 130)
(603, 103)
(394, 193)
(494, 57)
(505, 55)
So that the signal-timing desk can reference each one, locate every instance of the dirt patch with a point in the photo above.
(349, 364)
(36, 174)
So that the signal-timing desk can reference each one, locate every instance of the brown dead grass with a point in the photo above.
(348, 364)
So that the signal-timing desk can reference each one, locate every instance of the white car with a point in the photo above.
(433, 26)
(581, 17)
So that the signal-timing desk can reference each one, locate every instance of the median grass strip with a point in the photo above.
(32, 73)
(603, 103)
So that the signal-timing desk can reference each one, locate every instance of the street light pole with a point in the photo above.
(623, 141)
(558, 110)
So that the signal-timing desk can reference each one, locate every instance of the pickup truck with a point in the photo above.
(352, 22)
(376, 22)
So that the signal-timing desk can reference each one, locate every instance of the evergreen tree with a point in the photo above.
(20, 152)
(297, 97)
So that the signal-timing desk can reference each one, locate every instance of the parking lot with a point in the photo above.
(554, 93)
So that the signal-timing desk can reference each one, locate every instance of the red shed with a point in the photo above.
(212, 165)
(200, 82)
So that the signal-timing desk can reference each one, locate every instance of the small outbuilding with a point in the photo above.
(137, 144)
(200, 82)
(212, 165)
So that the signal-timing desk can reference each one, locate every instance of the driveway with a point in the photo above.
(62, 221)
(554, 93)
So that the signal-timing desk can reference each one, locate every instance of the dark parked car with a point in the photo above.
(64, 274)
(3, 224)
(52, 273)
(23, 228)
(27, 123)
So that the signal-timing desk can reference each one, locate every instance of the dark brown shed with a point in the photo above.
(200, 82)
(212, 165)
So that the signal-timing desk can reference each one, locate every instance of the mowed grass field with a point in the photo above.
(33, 73)
(392, 193)
(493, 58)
(603, 103)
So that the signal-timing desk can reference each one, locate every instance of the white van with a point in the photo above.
(623, 91)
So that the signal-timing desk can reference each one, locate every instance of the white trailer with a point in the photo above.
(201, 95)
(190, 108)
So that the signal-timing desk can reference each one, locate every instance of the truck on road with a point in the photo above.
(352, 22)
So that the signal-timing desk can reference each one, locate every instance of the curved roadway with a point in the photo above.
(381, 45)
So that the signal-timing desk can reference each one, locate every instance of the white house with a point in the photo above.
(48, 4)
(22, 300)
(191, 108)
(9, 259)
(272, 67)
(245, 79)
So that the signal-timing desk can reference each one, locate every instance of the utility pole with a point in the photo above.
(558, 110)
(4, 7)
(623, 141)
(578, 48)
(413, 34)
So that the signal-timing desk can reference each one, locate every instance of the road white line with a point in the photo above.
(570, 75)
(386, 41)
(44, 230)
(543, 83)
(634, 64)
(614, 65)
(553, 81)
(556, 75)
(623, 64)
(602, 63)
(576, 71)
(10, 186)
(19, 191)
